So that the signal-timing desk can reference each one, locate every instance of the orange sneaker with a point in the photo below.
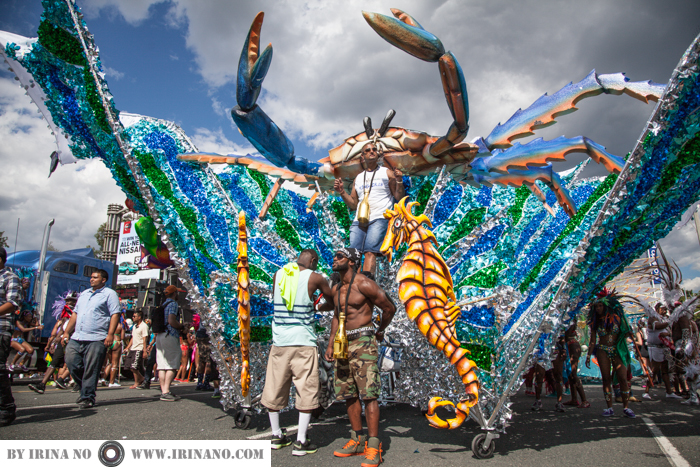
(354, 447)
(373, 453)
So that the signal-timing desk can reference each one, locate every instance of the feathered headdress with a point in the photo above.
(605, 295)
(671, 278)
(613, 308)
(60, 310)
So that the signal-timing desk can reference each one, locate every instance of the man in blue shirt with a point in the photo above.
(93, 324)
(168, 352)
(10, 299)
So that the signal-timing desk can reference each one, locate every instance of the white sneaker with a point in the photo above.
(646, 396)
(115, 385)
(673, 396)
(691, 401)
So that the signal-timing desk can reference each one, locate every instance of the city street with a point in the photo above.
(580, 437)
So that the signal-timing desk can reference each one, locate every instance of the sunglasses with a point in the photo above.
(339, 256)
(368, 150)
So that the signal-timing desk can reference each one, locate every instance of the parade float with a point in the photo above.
(521, 248)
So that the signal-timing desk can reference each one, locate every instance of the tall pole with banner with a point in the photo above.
(696, 218)
(651, 253)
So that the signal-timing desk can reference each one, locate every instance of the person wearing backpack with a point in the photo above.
(168, 353)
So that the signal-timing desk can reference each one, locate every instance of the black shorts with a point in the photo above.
(134, 360)
(58, 357)
(214, 374)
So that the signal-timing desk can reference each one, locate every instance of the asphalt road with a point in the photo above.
(580, 437)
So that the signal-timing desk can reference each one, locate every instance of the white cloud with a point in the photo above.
(682, 246)
(215, 141)
(691, 284)
(77, 199)
(219, 107)
(112, 73)
(133, 11)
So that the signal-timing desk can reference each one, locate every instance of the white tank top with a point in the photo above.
(380, 197)
(295, 326)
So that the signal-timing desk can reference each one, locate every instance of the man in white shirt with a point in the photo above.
(134, 351)
(382, 188)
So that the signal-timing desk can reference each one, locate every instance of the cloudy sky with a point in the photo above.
(177, 60)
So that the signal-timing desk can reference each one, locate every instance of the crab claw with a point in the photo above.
(252, 67)
(461, 413)
(406, 34)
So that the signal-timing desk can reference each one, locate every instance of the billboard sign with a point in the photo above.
(130, 259)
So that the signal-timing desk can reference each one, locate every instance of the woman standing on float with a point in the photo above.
(609, 333)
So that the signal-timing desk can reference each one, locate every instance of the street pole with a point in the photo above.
(42, 258)
(696, 218)
(16, 236)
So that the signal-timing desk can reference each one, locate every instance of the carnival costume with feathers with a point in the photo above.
(689, 345)
(614, 315)
(60, 309)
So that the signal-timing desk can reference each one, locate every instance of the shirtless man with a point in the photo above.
(358, 376)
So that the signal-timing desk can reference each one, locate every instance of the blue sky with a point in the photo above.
(177, 59)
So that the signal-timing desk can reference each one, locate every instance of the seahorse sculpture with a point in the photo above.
(427, 292)
(243, 304)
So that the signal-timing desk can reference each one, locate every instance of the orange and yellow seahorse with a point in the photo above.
(243, 303)
(426, 290)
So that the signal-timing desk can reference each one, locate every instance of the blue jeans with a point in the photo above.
(368, 238)
(7, 402)
(84, 360)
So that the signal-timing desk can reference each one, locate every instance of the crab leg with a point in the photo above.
(306, 181)
(270, 198)
(407, 34)
(528, 178)
(540, 152)
(256, 125)
(543, 112)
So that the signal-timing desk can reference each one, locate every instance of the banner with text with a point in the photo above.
(130, 258)
(172, 453)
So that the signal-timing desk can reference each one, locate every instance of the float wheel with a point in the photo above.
(478, 448)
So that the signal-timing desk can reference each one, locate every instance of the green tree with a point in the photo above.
(51, 247)
(100, 237)
(3, 239)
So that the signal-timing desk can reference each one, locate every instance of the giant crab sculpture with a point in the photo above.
(485, 161)
(493, 239)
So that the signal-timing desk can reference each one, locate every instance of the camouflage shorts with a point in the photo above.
(359, 375)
